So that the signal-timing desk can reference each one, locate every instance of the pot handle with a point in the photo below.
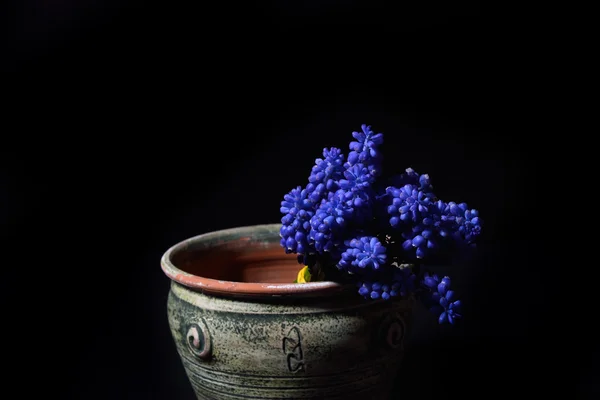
(198, 340)
(392, 331)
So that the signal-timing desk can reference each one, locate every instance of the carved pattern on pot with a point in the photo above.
(292, 347)
(392, 331)
(199, 341)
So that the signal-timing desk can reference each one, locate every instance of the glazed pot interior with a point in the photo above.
(239, 261)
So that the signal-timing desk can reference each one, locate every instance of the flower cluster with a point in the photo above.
(347, 222)
(440, 298)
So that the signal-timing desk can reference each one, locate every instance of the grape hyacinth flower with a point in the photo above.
(440, 299)
(452, 309)
(375, 290)
(297, 210)
(400, 284)
(443, 225)
(365, 150)
(469, 223)
(457, 221)
(331, 217)
(329, 169)
(430, 281)
(363, 252)
(420, 241)
(348, 216)
(316, 193)
(411, 177)
(355, 185)
(408, 203)
(412, 210)
(394, 209)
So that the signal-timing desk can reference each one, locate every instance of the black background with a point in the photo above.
(131, 126)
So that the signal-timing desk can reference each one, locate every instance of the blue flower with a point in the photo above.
(401, 283)
(297, 210)
(365, 150)
(375, 290)
(329, 169)
(343, 199)
(420, 239)
(442, 222)
(363, 252)
(394, 210)
(356, 186)
(452, 309)
(330, 218)
(408, 203)
(458, 221)
(469, 224)
(356, 179)
(412, 210)
(295, 201)
(316, 193)
(440, 299)
(425, 222)
(410, 177)
(430, 281)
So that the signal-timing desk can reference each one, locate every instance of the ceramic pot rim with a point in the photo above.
(222, 287)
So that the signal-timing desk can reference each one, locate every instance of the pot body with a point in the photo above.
(325, 345)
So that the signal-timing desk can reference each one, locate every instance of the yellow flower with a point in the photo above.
(303, 275)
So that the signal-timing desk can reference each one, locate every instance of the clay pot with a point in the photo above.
(244, 331)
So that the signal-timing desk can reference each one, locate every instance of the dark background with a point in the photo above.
(130, 126)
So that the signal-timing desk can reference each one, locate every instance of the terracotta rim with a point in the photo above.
(238, 288)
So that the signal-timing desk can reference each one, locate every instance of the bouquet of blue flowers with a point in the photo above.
(352, 223)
